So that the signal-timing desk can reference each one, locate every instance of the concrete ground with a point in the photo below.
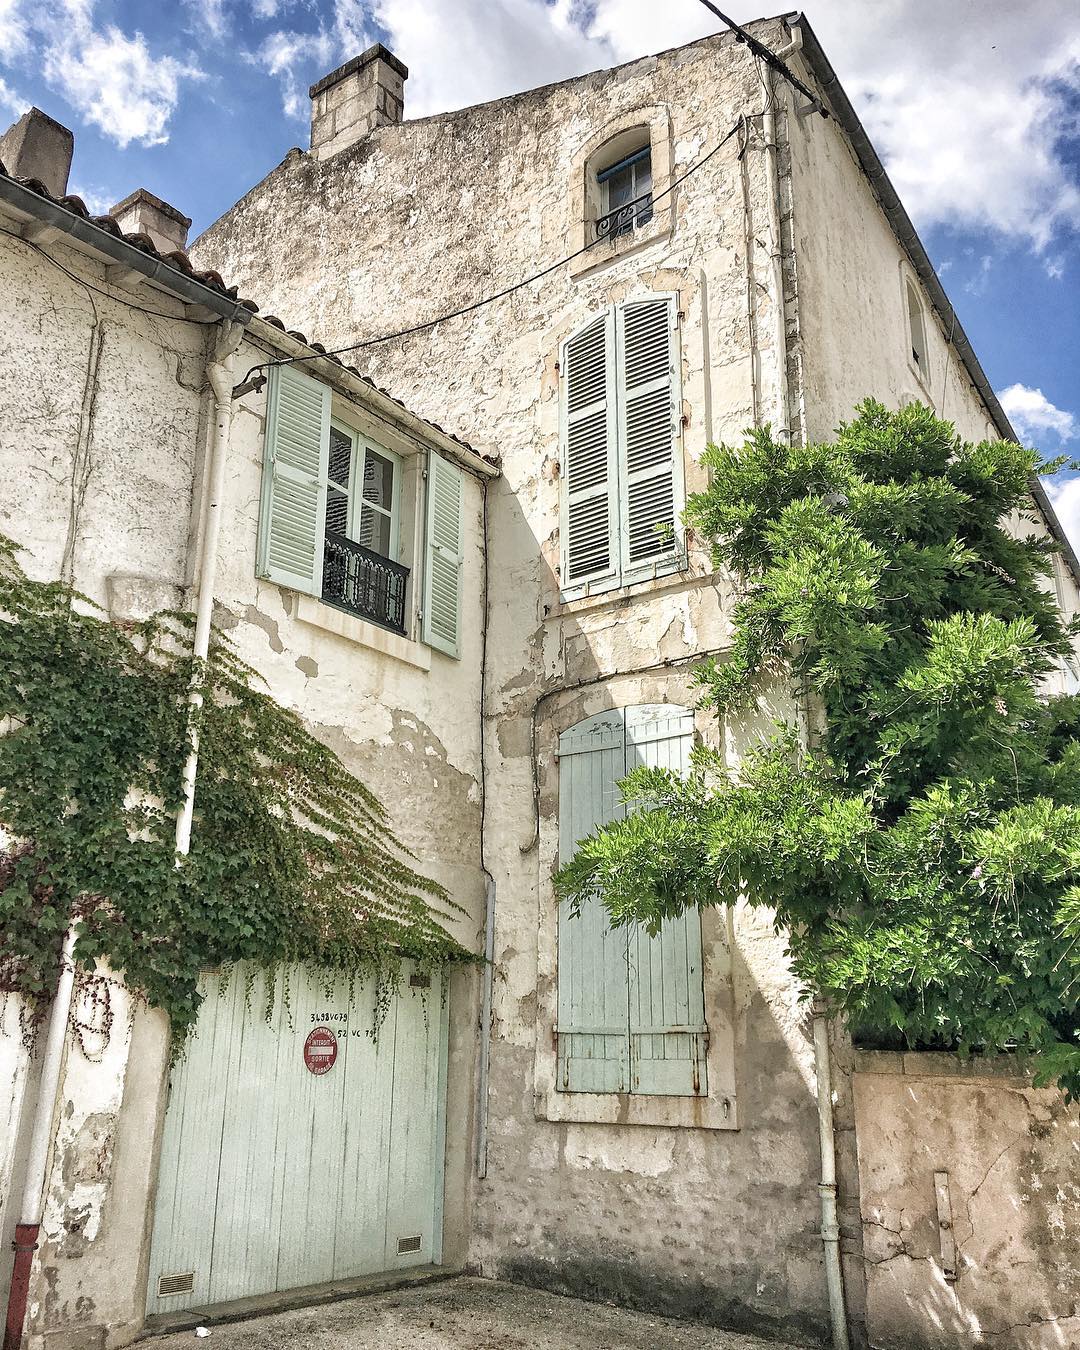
(461, 1314)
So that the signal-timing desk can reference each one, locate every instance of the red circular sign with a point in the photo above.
(320, 1050)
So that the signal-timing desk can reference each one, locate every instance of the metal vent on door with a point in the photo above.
(176, 1284)
(409, 1244)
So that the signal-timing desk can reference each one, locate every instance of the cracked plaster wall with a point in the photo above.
(102, 465)
(1011, 1152)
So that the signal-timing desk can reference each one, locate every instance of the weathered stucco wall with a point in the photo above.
(720, 1223)
(1009, 1152)
(102, 460)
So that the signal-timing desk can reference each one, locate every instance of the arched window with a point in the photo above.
(631, 1008)
(622, 184)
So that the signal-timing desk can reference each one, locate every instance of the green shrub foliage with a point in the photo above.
(921, 847)
(292, 859)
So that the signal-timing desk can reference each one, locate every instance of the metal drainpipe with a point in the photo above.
(220, 376)
(772, 170)
(41, 1131)
(830, 1228)
(488, 976)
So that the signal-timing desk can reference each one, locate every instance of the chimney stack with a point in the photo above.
(365, 93)
(38, 147)
(143, 213)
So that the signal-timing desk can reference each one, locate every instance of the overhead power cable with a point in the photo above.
(248, 383)
(770, 58)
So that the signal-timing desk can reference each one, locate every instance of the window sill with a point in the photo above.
(628, 1108)
(675, 572)
(601, 254)
(349, 626)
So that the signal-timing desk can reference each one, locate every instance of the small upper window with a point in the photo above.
(916, 330)
(626, 195)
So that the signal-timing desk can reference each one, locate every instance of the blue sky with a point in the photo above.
(973, 104)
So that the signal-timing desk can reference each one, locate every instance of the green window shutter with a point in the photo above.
(649, 426)
(444, 555)
(668, 1035)
(593, 1028)
(589, 525)
(296, 450)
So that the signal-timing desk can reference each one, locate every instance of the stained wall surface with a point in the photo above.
(103, 415)
(1008, 1153)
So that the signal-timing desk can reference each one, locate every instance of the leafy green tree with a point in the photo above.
(292, 859)
(918, 834)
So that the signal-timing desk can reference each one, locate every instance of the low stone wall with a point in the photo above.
(970, 1200)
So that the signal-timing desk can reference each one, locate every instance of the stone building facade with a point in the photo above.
(765, 273)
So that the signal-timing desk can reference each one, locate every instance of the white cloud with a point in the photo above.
(14, 31)
(1033, 415)
(284, 54)
(211, 14)
(1065, 496)
(11, 101)
(112, 79)
(98, 200)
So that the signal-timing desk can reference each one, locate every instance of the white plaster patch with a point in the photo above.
(647, 1153)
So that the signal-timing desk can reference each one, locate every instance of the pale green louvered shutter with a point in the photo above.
(650, 467)
(444, 555)
(292, 511)
(593, 1025)
(631, 1011)
(668, 1035)
(589, 525)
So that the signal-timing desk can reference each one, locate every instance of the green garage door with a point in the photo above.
(298, 1150)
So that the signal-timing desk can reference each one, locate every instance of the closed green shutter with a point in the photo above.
(668, 1035)
(589, 528)
(292, 511)
(631, 1009)
(650, 495)
(444, 555)
(594, 1039)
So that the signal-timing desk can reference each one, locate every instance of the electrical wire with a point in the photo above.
(770, 58)
(120, 300)
(499, 295)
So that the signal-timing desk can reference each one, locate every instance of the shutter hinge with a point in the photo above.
(424, 474)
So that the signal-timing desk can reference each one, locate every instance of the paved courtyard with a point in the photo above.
(462, 1314)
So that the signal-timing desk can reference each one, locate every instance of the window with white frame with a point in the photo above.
(631, 1008)
(621, 447)
(330, 515)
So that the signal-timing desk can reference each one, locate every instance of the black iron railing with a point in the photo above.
(363, 582)
(625, 218)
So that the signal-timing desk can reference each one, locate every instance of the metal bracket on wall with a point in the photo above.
(946, 1235)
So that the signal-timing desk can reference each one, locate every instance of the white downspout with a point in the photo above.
(782, 415)
(830, 1228)
(221, 376)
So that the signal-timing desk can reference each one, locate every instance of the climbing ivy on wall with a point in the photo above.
(292, 858)
(919, 835)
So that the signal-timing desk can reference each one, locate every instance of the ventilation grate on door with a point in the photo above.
(176, 1284)
(409, 1244)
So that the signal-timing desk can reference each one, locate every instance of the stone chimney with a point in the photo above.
(365, 93)
(143, 213)
(38, 147)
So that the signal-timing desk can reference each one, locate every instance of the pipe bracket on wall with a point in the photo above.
(946, 1235)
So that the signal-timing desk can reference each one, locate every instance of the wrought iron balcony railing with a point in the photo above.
(626, 218)
(364, 583)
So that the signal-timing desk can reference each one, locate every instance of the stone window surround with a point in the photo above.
(605, 147)
(717, 1110)
(908, 277)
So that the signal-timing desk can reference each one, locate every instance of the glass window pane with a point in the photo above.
(337, 511)
(375, 530)
(620, 189)
(340, 457)
(378, 480)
